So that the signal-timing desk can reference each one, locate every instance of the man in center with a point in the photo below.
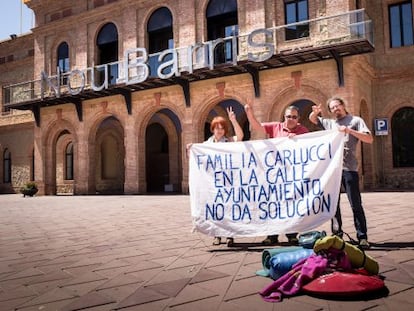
(288, 128)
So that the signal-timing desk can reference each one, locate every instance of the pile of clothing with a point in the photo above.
(327, 266)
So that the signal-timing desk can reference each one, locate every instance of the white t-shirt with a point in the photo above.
(355, 123)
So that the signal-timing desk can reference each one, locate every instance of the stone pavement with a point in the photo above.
(138, 253)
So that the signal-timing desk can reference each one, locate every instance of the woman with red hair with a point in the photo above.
(219, 127)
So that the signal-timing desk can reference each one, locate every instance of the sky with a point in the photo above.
(15, 18)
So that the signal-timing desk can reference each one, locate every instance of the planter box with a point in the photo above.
(30, 192)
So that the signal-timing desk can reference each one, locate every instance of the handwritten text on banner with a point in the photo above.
(265, 187)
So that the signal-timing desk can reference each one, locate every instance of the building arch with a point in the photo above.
(63, 185)
(220, 109)
(305, 108)
(216, 105)
(107, 156)
(54, 47)
(68, 168)
(163, 151)
(53, 152)
(391, 108)
(107, 52)
(50, 142)
(388, 175)
(147, 112)
(305, 98)
(153, 10)
(402, 129)
(63, 59)
(222, 21)
(160, 37)
(105, 112)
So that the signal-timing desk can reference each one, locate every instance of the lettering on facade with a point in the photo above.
(135, 67)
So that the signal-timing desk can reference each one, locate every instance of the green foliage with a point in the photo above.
(30, 185)
(29, 188)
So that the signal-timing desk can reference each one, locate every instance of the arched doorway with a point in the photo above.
(110, 154)
(305, 108)
(64, 163)
(221, 110)
(163, 153)
(402, 129)
(157, 158)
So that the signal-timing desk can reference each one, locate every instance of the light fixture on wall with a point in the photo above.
(13, 36)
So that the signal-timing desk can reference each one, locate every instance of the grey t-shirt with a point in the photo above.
(355, 123)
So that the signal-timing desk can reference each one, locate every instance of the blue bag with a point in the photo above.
(269, 253)
(283, 262)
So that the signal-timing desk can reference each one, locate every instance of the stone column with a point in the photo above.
(130, 160)
(190, 135)
(39, 160)
(82, 169)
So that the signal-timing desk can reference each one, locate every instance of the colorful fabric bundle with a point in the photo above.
(330, 271)
(357, 257)
(344, 284)
(290, 284)
(282, 263)
(267, 255)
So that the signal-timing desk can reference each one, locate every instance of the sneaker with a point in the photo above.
(217, 240)
(363, 243)
(230, 241)
(271, 239)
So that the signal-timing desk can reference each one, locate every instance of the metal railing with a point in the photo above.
(317, 33)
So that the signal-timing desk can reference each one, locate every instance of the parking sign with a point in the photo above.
(381, 126)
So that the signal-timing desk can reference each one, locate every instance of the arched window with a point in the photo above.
(69, 162)
(296, 11)
(107, 44)
(7, 166)
(63, 57)
(222, 22)
(160, 36)
(402, 128)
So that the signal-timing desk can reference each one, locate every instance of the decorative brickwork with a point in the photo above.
(134, 141)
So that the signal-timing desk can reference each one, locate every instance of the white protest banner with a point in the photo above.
(264, 187)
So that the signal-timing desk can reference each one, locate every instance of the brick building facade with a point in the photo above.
(81, 113)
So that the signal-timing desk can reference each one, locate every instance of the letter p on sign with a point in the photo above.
(381, 126)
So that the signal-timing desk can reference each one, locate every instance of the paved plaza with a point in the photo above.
(139, 253)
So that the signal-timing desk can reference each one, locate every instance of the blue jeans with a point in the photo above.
(350, 181)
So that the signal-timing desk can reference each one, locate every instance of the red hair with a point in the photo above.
(219, 121)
